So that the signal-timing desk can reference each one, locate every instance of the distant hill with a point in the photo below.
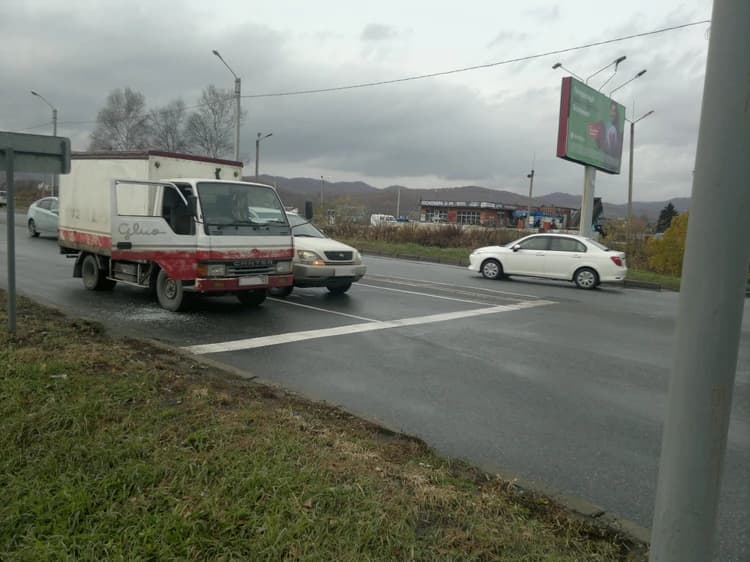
(295, 191)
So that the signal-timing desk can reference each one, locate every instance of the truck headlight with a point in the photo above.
(212, 270)
(283, 267)
(308, 257)
(357, 257)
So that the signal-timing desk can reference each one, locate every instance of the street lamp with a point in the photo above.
(616, 62)
(260, 137)
(630, 171)
(641, 73)
(54, 130)
(559, 65)
(237, 89)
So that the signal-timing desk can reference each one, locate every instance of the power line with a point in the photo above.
(476, 67)
(436, 74)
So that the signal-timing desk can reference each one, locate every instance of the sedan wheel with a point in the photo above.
(33, 232)
(586, 278)
(491, 269)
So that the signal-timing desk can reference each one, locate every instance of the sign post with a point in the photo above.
(26, 153)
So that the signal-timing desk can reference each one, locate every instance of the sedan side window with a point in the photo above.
(44, 204)
(559, 244)
(535, 243)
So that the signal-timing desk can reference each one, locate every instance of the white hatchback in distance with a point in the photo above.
(567, 257)
(320, 261)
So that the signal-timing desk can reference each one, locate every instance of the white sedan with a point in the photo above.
(581, 260)
(41, 218)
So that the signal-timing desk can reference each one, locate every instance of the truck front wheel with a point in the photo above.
(170, 293)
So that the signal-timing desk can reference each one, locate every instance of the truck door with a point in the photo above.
(152, 222)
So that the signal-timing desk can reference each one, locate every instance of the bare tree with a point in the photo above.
(167, 127)
(209, 128)
(122, 124)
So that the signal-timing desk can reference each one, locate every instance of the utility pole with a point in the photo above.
(711, 302)
(322, 183)
(531, 189)
(398, 202)
(259, 138)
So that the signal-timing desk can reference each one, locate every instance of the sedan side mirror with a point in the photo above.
(516, 247)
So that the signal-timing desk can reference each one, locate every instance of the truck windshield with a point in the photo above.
(235, 205)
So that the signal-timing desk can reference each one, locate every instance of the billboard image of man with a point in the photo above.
(610, 141)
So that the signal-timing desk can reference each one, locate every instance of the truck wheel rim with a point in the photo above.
(170, 289)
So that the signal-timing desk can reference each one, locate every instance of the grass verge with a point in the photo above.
(116, 450)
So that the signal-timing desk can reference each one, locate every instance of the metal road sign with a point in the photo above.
(36, 153)
(26, 153)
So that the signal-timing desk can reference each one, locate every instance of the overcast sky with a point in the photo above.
(483, 127)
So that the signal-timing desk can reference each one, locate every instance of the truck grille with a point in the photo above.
(250, 267)
(339, 256)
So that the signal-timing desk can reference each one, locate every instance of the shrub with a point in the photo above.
(665, 254)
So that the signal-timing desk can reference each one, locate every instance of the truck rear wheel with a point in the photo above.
(94, 278)
(252, 298)
(170, 293)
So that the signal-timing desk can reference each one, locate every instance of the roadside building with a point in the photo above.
(488, 213)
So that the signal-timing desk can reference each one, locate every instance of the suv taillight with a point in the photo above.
(617, 261)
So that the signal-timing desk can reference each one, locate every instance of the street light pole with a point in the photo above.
(322, 183)
(237, 96)
(630, 174)
(54, 131)
(531, 188)
(260, 137)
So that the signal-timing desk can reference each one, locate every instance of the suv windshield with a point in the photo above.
(239, 205)
(302, 227)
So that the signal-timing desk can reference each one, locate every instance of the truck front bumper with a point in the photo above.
(222, 284)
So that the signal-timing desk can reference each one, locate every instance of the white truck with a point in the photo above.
(177, 224)
(379, 219)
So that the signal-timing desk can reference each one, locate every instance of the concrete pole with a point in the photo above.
(237, 95)
(531, 190)
(630, 184)
(54, 134)
(257, 155)
(398, 202)
(11, 237)
(711, 301)
(587, 201)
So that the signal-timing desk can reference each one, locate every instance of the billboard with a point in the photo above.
(591, 127)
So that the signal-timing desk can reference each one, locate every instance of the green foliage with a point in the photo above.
(117, 451)
(665, 254)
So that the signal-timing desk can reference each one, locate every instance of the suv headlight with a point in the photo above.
(212, 270)
(308, 257)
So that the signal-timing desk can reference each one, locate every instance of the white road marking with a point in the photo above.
(264, 341)
(422, 294)
(285, 301)
(452, 285)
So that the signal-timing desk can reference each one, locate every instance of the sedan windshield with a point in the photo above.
(234, 204)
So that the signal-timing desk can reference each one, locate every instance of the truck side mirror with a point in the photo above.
(193, 204)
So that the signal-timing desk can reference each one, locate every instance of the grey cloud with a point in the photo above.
(378, 32)
(507, 37)
(544, 13)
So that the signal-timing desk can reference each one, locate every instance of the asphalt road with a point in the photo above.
(559, 386)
